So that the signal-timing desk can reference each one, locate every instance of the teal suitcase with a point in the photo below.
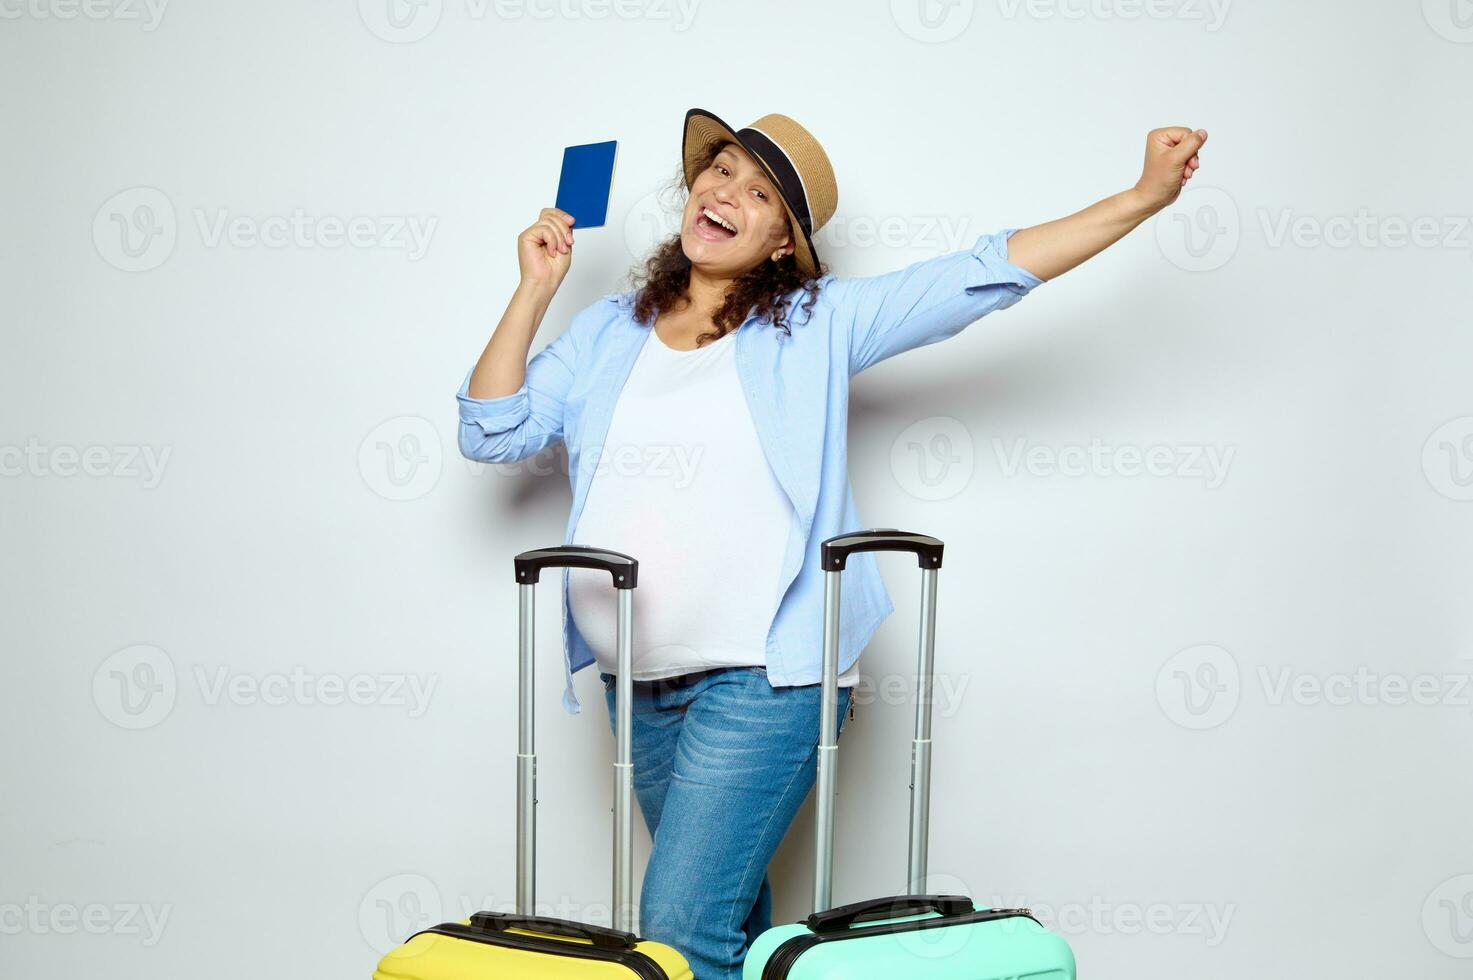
(899, 937)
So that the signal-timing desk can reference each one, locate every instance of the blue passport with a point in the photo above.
(587, 178)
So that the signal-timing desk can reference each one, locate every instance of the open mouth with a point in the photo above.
(713, 227)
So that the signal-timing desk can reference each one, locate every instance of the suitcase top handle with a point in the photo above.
(836, 550)
(624, 569)
(598, 935)
(841, 918)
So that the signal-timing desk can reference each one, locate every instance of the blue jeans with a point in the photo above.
(722, 762)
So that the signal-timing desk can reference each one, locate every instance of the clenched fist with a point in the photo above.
(1171, 159)
(545, 250)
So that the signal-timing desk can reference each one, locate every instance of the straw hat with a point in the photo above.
(793, 161)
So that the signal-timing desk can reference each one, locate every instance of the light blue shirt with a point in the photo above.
(797, 387)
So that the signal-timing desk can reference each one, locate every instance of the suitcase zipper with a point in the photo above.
(780, 963)
(641, 964)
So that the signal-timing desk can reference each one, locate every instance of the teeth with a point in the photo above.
(719, 220)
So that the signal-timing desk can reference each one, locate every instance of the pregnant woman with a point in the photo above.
(705, 418)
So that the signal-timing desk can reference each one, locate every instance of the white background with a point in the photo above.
(1119, 748)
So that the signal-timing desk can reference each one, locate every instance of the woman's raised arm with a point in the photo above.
(1052, 249)
(510, 409)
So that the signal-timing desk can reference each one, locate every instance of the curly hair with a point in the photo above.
(662, 283)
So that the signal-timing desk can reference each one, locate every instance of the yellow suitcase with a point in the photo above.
(523, 945)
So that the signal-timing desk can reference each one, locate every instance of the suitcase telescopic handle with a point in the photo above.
(834, 555)
(624, 573)
(625, 570)
(836, 550)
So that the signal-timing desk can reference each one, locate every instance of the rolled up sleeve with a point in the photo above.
(927, 301)
(512, 427)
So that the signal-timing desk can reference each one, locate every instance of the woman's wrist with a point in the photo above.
(536, 290)
(1138, 203)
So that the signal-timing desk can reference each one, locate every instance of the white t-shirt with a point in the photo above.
(684, 487)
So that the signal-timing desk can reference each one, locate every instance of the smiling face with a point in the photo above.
(734, 219)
